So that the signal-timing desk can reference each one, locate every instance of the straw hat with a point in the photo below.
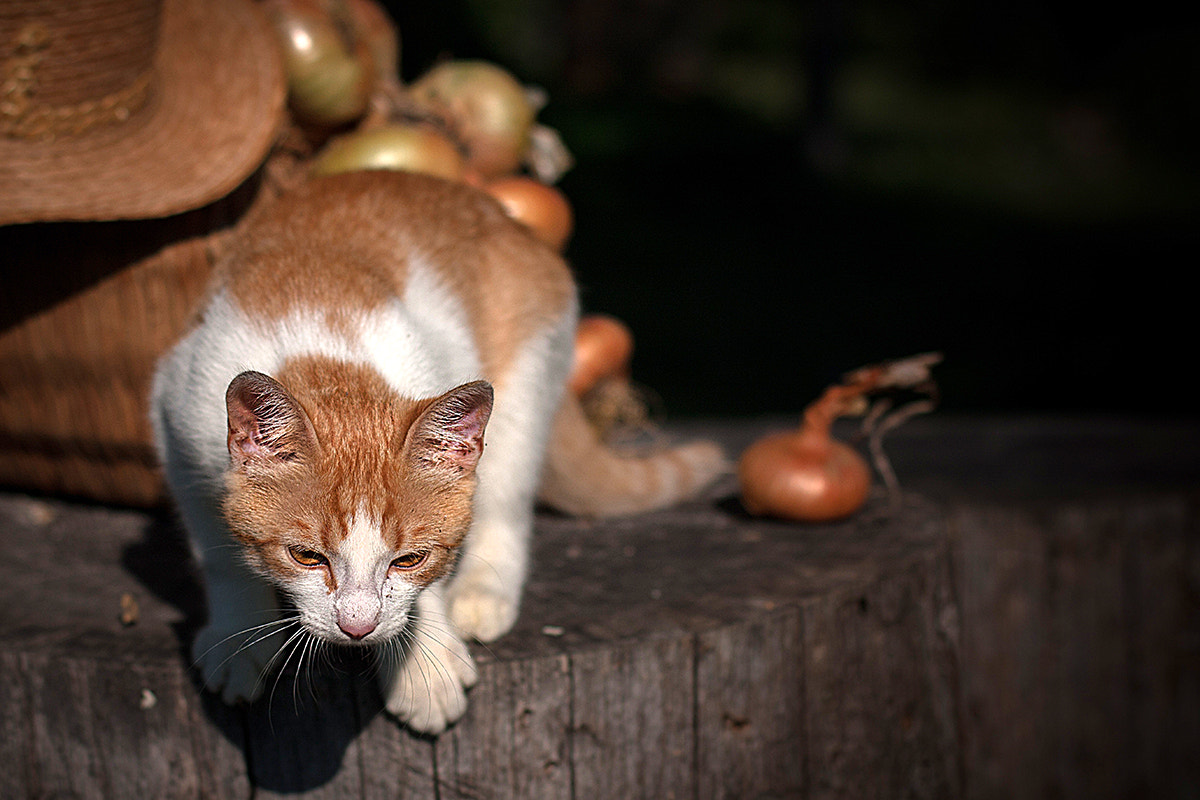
(131, 109)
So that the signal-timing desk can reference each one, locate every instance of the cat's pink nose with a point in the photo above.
(358, 613)
(356, 628)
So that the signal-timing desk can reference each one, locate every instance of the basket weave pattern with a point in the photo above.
(74, 380)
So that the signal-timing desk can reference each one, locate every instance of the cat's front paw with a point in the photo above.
(481, 607)
(232, 662)
(428, 689)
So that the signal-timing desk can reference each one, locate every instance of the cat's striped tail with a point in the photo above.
(585, 477)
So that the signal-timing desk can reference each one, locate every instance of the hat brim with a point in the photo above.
(212, 116)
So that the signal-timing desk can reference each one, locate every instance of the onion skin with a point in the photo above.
(329, 78)
(485, 106)
(803, 475)
(333, 93)
(541, 208)
(603, 350)
(411, 148)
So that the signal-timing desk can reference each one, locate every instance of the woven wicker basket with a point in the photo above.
(75, 373)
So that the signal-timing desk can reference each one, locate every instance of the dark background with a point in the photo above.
(771, 193)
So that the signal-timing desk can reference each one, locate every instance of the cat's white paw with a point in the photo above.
(428, 690)
(233, 663)
(482, 608)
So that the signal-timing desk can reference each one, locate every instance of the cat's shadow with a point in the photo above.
(296, 736)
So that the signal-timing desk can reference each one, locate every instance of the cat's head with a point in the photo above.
(355, 504)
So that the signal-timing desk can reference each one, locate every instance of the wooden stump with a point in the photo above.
(689, 653)
(1033, 633)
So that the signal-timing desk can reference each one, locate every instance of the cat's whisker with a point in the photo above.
(263, 635)
(290, 641)
(319, 649)
(384, 661)
(440, 670)
(394, 654)
(441, 623)
(411, 689)
(291, 645)
(448, 633)
(318, 653)
(304, 670)
(253, 635)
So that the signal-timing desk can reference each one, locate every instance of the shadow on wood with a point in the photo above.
(295, 738)
(694, 650)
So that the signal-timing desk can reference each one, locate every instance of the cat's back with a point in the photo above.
(357, 241)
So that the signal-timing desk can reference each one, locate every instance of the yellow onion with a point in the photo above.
(486, 107)
(404, 147)
(329, 75)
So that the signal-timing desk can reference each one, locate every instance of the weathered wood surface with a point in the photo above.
(1000, 642)
(1076, 569)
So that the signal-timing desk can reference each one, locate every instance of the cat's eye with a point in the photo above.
(307, 558)
(411, 560)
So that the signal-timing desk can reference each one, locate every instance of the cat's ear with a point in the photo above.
(448, 436)
(267, 426)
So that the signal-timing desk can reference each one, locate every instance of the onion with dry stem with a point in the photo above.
(806, 474)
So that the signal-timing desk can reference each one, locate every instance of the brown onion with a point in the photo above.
(486, 107)
(542, 208)
(806, 474)
(411, 148)
(603, 349)
(803, 475)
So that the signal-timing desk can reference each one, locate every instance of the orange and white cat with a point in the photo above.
(322, 428)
